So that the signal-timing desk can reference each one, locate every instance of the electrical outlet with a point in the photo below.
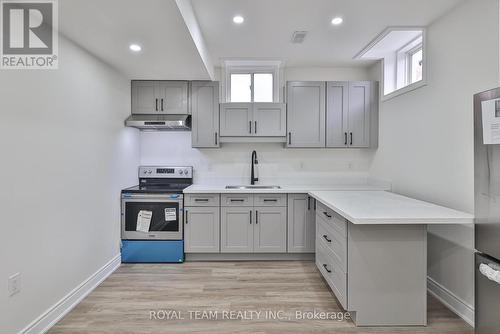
(14, 284)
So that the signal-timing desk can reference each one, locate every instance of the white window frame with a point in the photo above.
(252, 67)
(409, 66)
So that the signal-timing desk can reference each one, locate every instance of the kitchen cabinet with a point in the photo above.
(306, 114)
(159, 97)
(352, 114)
(270, 230)
(246, 228)
(252, 120)
(205, 114)
(237, 229)
(301, 223)
(201, 229)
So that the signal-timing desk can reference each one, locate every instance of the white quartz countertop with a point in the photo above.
(285, 189)
(383, 207)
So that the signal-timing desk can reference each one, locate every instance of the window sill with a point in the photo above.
(404, 90)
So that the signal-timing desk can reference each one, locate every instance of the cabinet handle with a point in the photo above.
(289, 138)
(314, 204)
(156, 104)
(250, 127)
(270, 200)
(201, 200)
(186, 216)
(216, 138)
(351, 139)
(308, 203)
(326, 238)
(237, 200)
(256, 217)
(250, 217)
(255, 125)
(161, 104)
(345, 138)
(326, 214)
(326, 268)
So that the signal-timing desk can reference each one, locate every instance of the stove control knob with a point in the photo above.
(180, 172)
(186, 171)
(149, 172)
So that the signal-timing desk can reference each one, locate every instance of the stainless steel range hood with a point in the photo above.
(159, 122)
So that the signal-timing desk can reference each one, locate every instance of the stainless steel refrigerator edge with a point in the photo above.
(487, 221)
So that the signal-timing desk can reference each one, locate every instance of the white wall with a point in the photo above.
(276, 164)
(65, 157)
(426, 136)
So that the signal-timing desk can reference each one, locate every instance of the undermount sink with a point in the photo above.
(253, 187)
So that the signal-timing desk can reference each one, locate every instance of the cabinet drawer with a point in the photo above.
(270, 200)
(332, 272)
(333, 219)
(201, 200)
(237, 200)
(332, 240)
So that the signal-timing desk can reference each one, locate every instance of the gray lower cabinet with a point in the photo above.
(159, 97)
(352, 114)
(205, 114)
(270, 229)
(301, 223)
(252, 120)
(201, 229)
(237, 229)
(306, 114)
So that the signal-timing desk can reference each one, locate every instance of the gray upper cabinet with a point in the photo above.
(352, 114)
(306, 114)
(301, 223)
(270, 230)
(252, 120)
(201, 230)
(236, 119)
(159, 97)
(205, 114)
(236, 229)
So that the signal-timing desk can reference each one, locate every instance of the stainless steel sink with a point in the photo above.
(253, 187)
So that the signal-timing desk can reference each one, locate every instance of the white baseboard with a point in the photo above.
(451, 301)
(48, 319)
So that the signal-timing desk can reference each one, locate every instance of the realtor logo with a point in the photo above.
(29, 34)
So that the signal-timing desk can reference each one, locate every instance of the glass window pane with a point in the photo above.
(263, 87)
(416, 66)
(240, 88)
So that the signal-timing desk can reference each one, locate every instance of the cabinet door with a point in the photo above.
(269, 119)
(359, 114)
(173, 97)
(301, 224)
(306, 114)
(337, 108)
(237, 230)
(201, 230)
(205, 114)
(236, 119)
(270, 230)
(144, 100)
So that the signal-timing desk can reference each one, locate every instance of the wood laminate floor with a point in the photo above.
(124, 302)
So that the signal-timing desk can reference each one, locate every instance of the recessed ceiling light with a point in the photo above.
(135, 47)
(238, 19)
(337, 20)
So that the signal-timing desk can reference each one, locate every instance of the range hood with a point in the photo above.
(159, 122)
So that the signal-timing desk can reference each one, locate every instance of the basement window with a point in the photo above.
(403, 53)
(252, 81)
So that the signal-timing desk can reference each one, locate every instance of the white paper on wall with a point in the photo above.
(491, 121)
(170, 214)
(144, 221)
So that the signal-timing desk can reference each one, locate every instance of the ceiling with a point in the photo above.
(269, 24)
(107, 27)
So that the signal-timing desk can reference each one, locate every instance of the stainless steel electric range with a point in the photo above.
(152, 215)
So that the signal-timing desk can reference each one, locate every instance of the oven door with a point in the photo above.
(166, 212)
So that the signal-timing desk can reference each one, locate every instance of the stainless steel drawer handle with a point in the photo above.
(326, 268)
(489, 273)
(326, 238)
(326, 214)
(237, 200)
(201, 200)
(270, 200)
